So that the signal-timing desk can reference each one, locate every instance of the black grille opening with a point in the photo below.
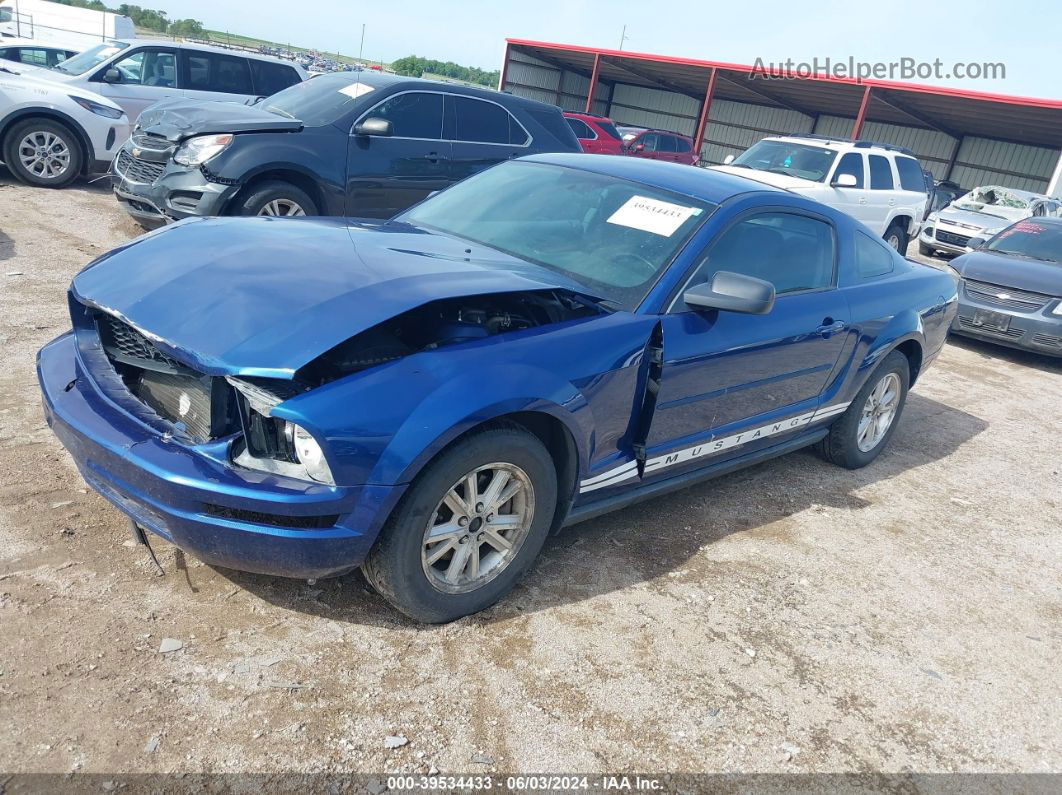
(137, 170)
(951, 238)
(272, 519)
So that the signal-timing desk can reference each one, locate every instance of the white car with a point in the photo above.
(878, 184)
(139, 72)
(981, 213)
(52, 133)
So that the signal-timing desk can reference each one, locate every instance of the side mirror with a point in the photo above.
(732, 292)
(976, 242)
(112, 75)
(844, 181)
(728, 160)
(374, 126)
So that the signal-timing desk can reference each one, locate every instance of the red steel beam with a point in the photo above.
(593, 83)
(857, 127)
(505, 67)
(702, 122)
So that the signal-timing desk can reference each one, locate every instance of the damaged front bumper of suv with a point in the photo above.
(155, 190)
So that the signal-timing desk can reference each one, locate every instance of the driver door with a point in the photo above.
(146, 75)
(733, 383)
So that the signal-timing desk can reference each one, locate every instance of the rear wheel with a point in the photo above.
(276, 198)
(43, 152)
(864, 430)
(896, 237)
(469, 527)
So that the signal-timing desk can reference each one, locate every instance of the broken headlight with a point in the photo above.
(198, 150)
(310, 454)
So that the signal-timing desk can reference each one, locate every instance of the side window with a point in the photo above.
(414, 114)
(269, 77)
(8, 54)
(873, 257)
(880, 173)
(483, 122)
(911, 176)
(148, 67)
(581, 129)
(34, 57)
(851, 163)
(682, 145)
(651, 142)
(226, 74)
(667, 143)
(793, 252)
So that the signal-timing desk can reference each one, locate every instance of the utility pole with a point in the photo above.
(623, 36)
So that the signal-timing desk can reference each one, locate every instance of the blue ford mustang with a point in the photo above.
(427, 397)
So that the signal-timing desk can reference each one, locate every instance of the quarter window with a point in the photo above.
(851, 163)
(148, 68)
(880, 173)
(224, 74)
(911, 176)
(873, 257)
(486, 122)
(269, 77)
(792, 252)
(682, 145)
(415, 114)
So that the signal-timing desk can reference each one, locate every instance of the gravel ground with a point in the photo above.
(793, 617)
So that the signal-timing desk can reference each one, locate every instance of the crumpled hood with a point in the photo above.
(1006, 271)
(177, 119)
(767, 177)
(982, 221)
(265, 296)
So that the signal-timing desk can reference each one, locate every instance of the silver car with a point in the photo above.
(981, 213)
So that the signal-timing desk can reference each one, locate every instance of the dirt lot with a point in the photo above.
(793, 617)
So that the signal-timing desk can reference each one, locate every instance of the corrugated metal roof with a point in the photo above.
(949, 110)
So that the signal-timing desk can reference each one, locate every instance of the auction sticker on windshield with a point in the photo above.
(355, 90)
(652, 215)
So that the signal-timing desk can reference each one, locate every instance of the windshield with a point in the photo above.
(319, 100)
(90, 58)
(992, 200)
(795, 160)
(1031, 239)
(610, 234)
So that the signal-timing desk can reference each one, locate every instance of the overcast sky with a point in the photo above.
(1026, 37)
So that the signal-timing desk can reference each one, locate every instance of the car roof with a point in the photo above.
(191, 45)
(713, 186)
(630, 128)
(384, 80)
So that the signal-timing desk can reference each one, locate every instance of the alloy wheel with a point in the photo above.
(878, 412)
(478, 527)
(44, 154)
(282, 207)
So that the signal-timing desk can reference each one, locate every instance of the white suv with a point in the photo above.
(51, 133)
(878, 184)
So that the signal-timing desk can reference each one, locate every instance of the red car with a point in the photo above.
(597, 134)
(659, 145)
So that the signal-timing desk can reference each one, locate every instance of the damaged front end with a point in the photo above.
(198, 408)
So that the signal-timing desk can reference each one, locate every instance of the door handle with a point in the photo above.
(830, 326)
(862, 200)
(435, 157)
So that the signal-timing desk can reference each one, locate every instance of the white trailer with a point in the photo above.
(61, 25)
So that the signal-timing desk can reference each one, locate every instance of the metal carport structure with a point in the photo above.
(970, 137)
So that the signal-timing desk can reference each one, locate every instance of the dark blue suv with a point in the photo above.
(356, 144)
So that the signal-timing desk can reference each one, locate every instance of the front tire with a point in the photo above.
(276, 198)
(864, 430)
(43, 152)
(896, 237)
(468, 528)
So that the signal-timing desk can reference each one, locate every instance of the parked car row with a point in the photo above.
(599, 135)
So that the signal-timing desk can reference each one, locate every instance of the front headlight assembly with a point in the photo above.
(98, 109)
(275, 445)
(198, 150)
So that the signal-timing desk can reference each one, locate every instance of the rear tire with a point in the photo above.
(437, 564)
(276, 198)
(851, 443)
(43, 152)
(896, 237)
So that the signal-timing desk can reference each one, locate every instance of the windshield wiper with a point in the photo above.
(279, 112)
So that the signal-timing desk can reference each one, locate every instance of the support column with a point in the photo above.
(1054, 187)
(702, 122)
(504, 69)
(593, 83)
(954, 156)
(857, 128)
